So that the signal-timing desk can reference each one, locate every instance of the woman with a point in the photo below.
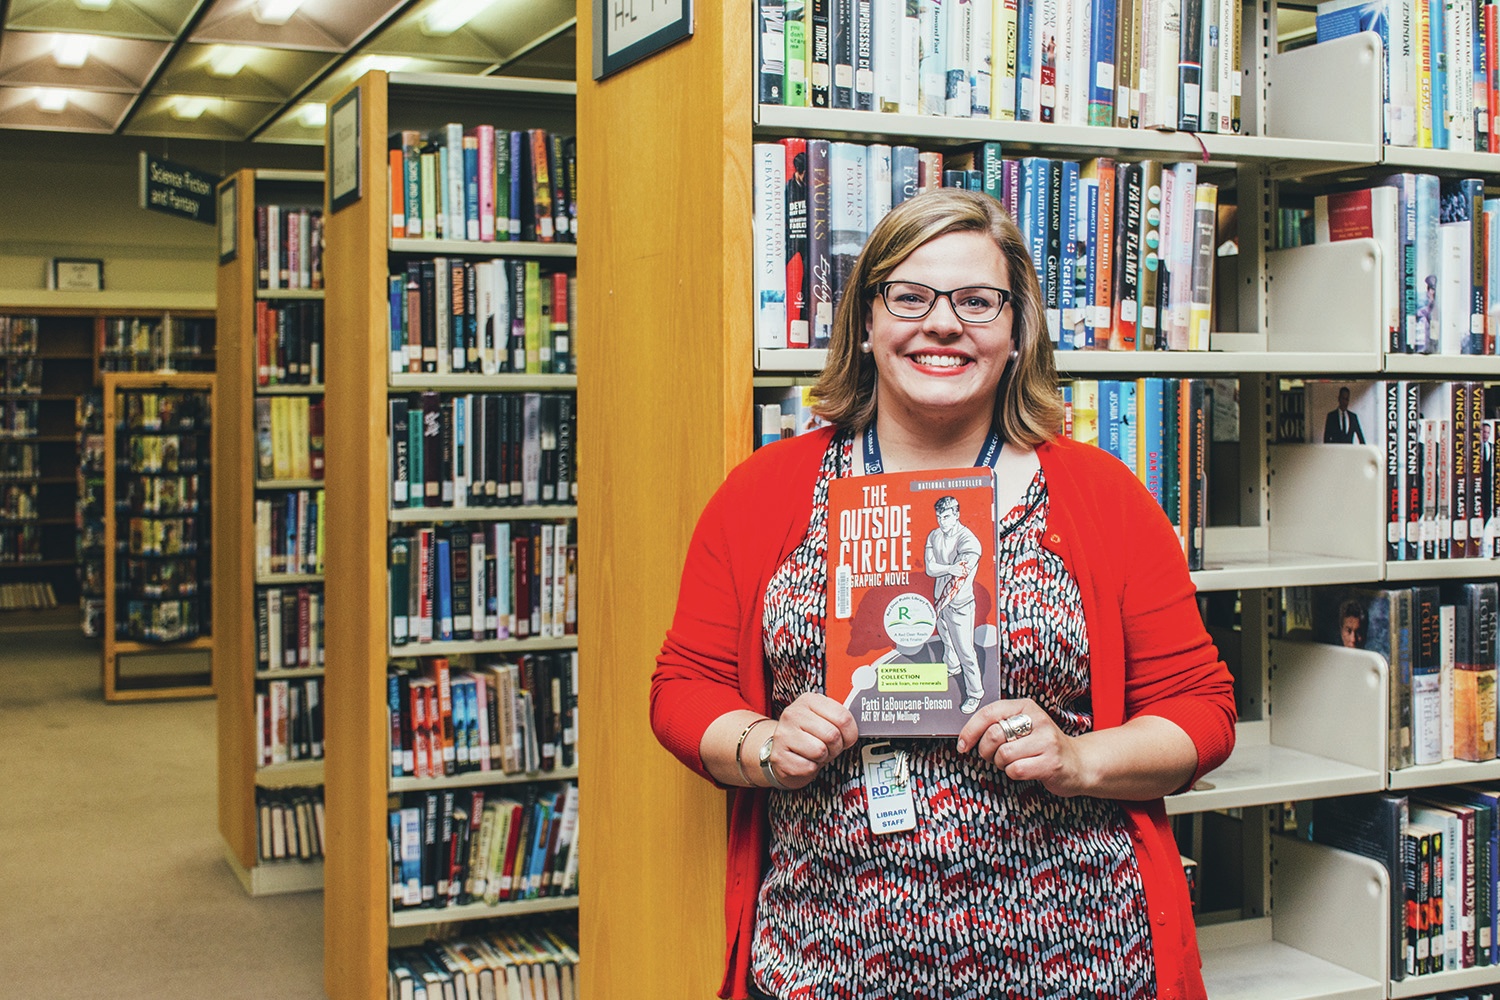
(1040, 863)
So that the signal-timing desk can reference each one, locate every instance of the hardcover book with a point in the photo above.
(912, 637)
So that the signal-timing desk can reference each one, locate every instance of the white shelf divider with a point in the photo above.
(1297, 83)
(1299, 317)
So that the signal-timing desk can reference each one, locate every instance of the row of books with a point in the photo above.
(1123, 63)
(27, 596)
(20, 543)
(18, 503)
(289, 823)
(484, 184)
(18, 334)
(289, 533)
(160, 494)
(522, 963)
(156, 578)
(1440, 251)
(1440, 68)
(290, 713)
(1442, 852)
(20, 460)
(1441, 644)
(161, 453)
(288, 247)
(1159, 427)
(167, 410)
(18, 418)
(483, 449)
(485, 317)
(514, 714)
(289, 342)
(288, 437)
(161, 536)
(450, 848)
(1124, 251)
(503, 580)
(21, 376)
(1438, 442)
(145, 344)
(289, 627)
(159, 621)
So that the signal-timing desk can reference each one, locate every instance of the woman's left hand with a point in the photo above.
(1045, 754)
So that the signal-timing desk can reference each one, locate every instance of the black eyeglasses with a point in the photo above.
(973, 304)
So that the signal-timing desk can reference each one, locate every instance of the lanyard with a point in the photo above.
(988, 455)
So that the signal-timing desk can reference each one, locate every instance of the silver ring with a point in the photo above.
(1015, 727)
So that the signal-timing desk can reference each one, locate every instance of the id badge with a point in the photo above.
(888, 789)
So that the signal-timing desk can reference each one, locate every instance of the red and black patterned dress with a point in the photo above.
(1003, 889)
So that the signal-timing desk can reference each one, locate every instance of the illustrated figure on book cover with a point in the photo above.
(1342, 424)
(952, 556)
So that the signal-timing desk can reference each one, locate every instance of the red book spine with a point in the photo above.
(397, 187)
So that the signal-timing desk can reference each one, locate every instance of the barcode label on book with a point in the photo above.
(843, 592)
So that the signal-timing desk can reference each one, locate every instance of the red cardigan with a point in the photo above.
(1148, 650)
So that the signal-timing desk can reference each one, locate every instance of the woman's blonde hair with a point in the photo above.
(1028, 407)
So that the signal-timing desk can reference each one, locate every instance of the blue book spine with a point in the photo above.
(903, 173)
(1069, 264)
(1361, 15)
(1406, 229)
(1149, 428)
(460, 449)
(1109, 417)
(397, 288)
(1102, 61)
(393, 702)
(1439, 48)
(1025, 71)
(471, 193)
(1427, 325)
(409, 836)
(1033, 220)
(444, 591)
(1090, 191)
(1129, 446)
(516, 170)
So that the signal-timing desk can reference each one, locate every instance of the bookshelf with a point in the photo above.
(241, 681)
(158, 553)
(361, 520)
(1303, 920)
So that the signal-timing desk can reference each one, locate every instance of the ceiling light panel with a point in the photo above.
(266, 74)
(220, 118)
(323, 25)
(71, 51)
(122, 65)
(276, 12)
(154, 20)
(85, 111)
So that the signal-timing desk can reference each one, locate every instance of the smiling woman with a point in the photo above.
(1039, 830)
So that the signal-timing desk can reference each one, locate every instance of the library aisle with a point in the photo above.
(114, 878)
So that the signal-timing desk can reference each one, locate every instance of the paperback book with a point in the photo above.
(912, 638)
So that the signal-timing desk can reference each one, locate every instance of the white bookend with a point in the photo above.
(1349, 67)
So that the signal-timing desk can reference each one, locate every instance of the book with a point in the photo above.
(1381, 620)
(911, 612)
(1374, 826)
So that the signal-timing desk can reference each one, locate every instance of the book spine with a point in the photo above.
(770, 246)
(820, 295)
(771, 35)
(1189, 67)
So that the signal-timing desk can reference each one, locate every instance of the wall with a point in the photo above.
(66, 195)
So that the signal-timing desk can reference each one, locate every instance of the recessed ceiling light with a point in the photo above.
(51, 99)
(228, 60)
(189, 108)
(276, 11)
(313, 115)
(70, 51)
(93, 4)
(386, 64)
(447, 16)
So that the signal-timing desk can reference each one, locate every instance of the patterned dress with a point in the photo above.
(1003, 890)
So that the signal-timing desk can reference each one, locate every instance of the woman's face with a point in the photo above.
(941, 369)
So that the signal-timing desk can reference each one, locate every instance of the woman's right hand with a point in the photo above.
(812, 731)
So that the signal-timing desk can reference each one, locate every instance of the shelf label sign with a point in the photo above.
(175, 189)
(627, 31)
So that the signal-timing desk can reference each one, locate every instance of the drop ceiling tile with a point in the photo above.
(117, 64)
(357, 67)
(267, 74)
(292, 127)
(554, 59)
(498, 30)
(160, 20)
(221, 118)
(86, 111)
(322, 25)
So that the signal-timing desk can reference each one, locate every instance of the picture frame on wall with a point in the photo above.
(72, 274)
(344, 182)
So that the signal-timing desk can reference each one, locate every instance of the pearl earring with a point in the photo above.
(1014, 355)
(864, 345)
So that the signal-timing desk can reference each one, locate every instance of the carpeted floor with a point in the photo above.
(114, 881)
